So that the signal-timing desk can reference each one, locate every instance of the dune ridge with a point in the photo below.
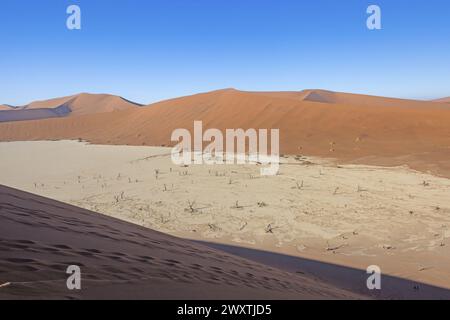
(75, 105)
(119, 260)
(444, 100)
(6, 107)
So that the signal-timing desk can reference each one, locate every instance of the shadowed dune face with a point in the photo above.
(34, 114)
(345, 277)
(349, 127)
(76, 105)
(118, 260)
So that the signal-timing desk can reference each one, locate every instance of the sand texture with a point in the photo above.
(42, 237)
(348, 216)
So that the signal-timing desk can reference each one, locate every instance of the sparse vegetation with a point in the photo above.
(237, 206)
(334, 248)
(243, 226)
(269, 228)
(298, 185)
(262, 204)
(361, 189)
(191, 207)
(214, 227)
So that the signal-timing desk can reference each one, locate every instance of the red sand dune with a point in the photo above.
(81, 104)
(40, 238)
(349, 127)
(85, 103)
(445, 100)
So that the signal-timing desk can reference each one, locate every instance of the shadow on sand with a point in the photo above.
(343, 277)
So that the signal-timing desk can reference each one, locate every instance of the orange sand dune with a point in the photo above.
(349, 127)
(86, 103)
(118, 260)
(5, 107)
(75, 105)
(445, 100)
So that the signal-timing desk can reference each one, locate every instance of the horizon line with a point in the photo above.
(436, 99)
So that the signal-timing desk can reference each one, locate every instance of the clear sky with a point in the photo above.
(148, 50)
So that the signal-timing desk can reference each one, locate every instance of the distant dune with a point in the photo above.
(349, 127)
(81, 104)
(86, 103)
(445, 100)
(34, 114)
(41, 238)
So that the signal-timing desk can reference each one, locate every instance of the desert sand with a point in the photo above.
(364, 179)
(5, 107)
(317, 217)
(351, 128)
(444, 100)
(118, 260)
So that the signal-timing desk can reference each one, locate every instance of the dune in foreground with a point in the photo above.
(42, 237)
(349, 127)
(338, 217)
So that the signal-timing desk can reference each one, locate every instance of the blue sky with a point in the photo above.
(149, 50)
